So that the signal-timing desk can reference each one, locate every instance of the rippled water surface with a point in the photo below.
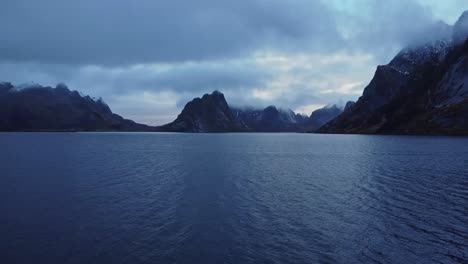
(232, 198)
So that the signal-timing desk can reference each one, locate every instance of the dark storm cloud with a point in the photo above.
(115, 32)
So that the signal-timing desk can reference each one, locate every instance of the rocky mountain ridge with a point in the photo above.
(38, 108)
(423, 90)
(211, 113)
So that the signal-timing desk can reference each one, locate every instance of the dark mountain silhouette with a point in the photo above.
(38, 108)
(270, 119)
(423, 90)
(348, 105)
(210, 113)
(321, 116)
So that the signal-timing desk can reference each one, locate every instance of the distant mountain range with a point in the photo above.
(38, 108)
(211, 113)
(423, 90)
(42, 108)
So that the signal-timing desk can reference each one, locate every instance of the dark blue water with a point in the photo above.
(232, 198)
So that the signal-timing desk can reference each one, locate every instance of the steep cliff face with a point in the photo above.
(38, 108)
(423, 90)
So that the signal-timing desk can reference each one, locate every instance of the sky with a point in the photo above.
(147, 58)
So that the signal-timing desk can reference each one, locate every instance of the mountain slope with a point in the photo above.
(38, 108)
(423, 90)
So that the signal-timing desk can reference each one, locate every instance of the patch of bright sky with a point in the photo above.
(446, 10)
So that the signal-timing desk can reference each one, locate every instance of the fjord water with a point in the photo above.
(232, 198)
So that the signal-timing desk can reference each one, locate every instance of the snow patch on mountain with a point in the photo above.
(409, 58)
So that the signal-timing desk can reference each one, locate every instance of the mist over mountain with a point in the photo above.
(144, 59)
(423, 90)
(212, 113)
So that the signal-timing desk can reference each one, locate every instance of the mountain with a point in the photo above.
(38, 108)
(321, 116)
(270, 119)
(210, 113)
(423, 90)
(348, 105)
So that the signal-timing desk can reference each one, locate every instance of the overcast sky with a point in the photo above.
(147, 58)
